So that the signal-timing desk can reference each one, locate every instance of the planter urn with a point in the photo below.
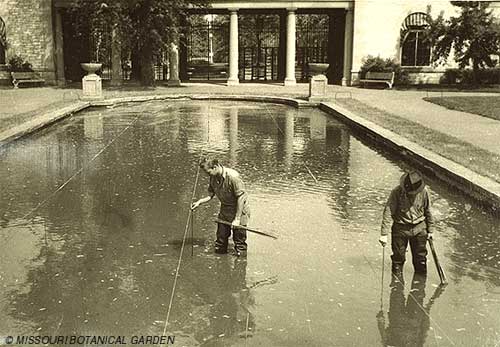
(91, 83)
(317, 68)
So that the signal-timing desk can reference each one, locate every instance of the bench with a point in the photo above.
(379, 77)
(25, 77)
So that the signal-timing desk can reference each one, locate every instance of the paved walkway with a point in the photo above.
(479, 131)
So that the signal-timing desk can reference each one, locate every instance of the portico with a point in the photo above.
(340, 52)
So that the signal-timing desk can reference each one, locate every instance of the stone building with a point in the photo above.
(349, 30)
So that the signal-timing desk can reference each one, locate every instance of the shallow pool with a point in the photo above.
(94, 211)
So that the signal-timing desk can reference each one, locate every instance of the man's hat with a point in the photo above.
(413, 183)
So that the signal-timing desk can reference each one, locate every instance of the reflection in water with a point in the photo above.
(233, 137)
(230, 313)
(409, 318)
(98, 252)
(318, 128)
(93, 127)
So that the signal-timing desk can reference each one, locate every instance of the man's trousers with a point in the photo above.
(416, 235)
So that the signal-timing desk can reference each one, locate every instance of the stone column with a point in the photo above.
(348, 38)
(59, 53)
(290, 48)
(116, 59)
(173, 60)
(233, 49)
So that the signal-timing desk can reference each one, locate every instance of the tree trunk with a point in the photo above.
(475, 73)
(146, 64)
(136, 65)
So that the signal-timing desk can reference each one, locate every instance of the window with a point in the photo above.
(3, 41)
(415, 48)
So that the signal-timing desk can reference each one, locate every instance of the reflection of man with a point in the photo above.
(408, 210)
(408, 320)
(230, 314)
(230, 189)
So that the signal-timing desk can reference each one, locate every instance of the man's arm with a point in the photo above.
(387, 217)
(241, 196)
(429, 218)
(201, 201)
(239, 208)
(389, 211)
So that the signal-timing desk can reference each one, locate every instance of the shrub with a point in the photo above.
(378, 64)
(466, 76)
(18, 64)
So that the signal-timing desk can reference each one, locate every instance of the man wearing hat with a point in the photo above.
(408, 215)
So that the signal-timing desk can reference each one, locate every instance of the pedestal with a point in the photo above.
(92, 87)
(91, 84)
(317, 88)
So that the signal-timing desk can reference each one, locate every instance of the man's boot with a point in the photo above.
(397, 273)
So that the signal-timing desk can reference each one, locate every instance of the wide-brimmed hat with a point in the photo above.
(413, 183)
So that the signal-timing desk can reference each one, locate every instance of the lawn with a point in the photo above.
(487, 106)
(478, 160)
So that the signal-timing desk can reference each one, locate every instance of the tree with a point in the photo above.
(474, 36)
(145, 27)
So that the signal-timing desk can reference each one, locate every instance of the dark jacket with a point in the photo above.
(407, 209)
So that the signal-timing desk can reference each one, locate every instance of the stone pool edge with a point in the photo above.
(228, 97)
(483, 189)
(40, 122)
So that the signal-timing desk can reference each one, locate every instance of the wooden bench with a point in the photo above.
(25, 77)
(379, 77)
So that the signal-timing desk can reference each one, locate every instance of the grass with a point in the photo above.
(8, 121)
(476, 159)
(487, 106)
(451, 88)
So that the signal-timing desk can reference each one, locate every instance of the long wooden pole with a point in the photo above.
(440, 271)
(246, 228)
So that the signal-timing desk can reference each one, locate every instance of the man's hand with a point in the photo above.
(383, 240)
(195, 204)
(429, 236)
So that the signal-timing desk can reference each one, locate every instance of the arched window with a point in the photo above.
(3, 41)
(415, 48)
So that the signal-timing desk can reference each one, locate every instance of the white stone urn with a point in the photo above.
(317, 68)
(91, 83)
(91, 68)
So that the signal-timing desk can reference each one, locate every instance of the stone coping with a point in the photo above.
(483, 189)
(259, 98)
(39, 122)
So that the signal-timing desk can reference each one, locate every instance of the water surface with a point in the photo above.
(94, 210)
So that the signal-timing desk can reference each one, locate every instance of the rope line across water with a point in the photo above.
(189, 222)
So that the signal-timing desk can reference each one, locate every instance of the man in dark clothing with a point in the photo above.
(409, 211)
(230, 189)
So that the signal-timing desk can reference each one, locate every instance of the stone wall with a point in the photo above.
(426, 77)
(377, 26)
(30, 33)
